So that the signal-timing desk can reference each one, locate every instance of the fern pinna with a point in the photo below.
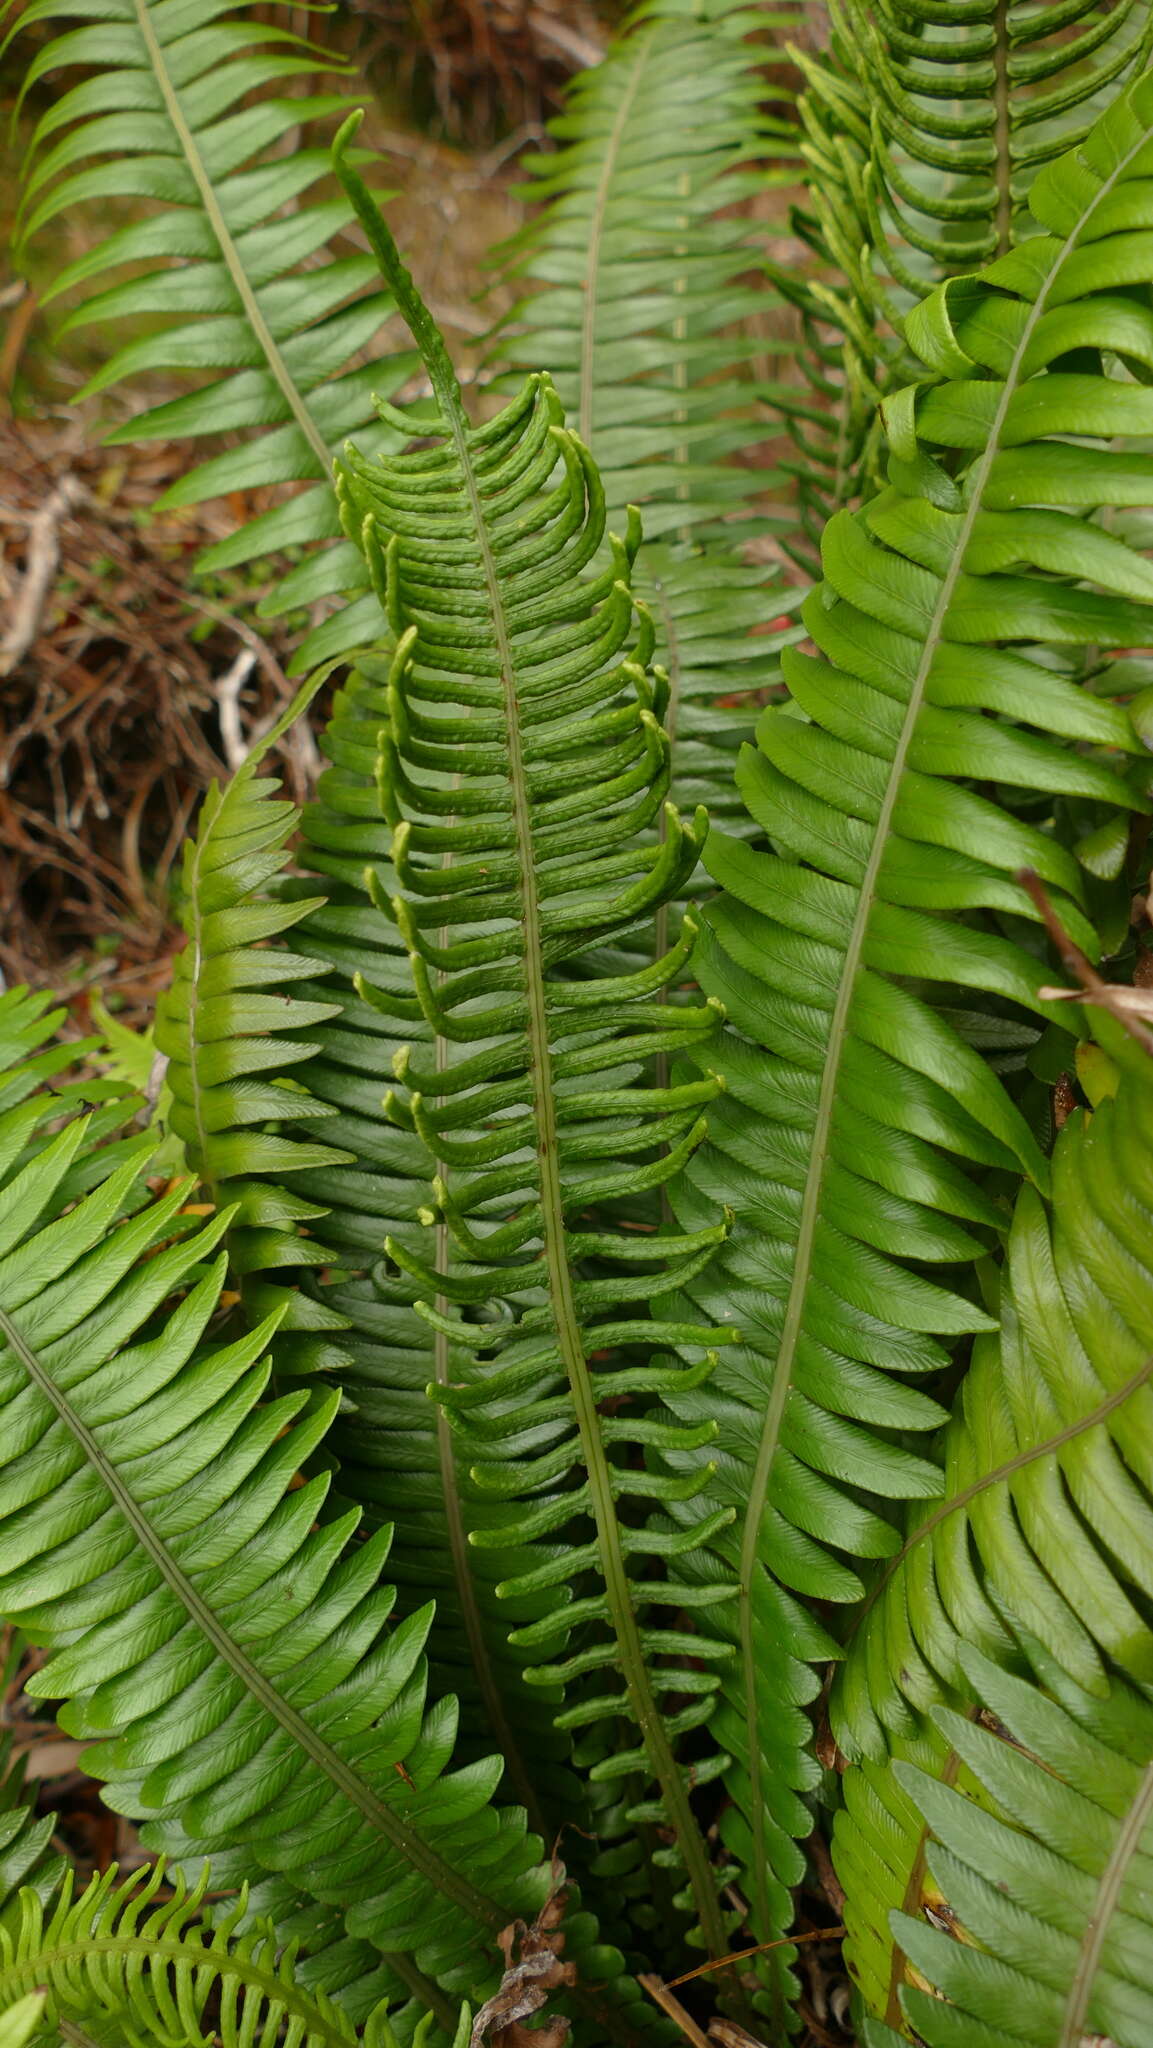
(998, 1799)
(854, 1098)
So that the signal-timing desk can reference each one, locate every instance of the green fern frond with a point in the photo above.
(967, 105)
(122, 1964)
(235, 1039)
(213, 1634)
(27, 1858)
(1005, 1656)
(890, 897)
(522, 758)
(163, 117)
(924, 126)
(651, 298)
(650, 277)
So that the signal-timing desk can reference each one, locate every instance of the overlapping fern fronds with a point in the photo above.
(227, 1651)
(890, 897)
(924, 126)
(163, 117)
(122, 1962)
(651, 287)
(523, 759)
(652, 311)
(1004, 1657)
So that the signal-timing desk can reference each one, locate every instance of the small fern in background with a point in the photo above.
(230, 264)
(650, 1328)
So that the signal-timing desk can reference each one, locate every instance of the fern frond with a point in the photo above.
(924, 126)
(125, 1964)
(222, 1644)
(966, 108)
(522, 758)
(855, 1100)
(235, 1040)
(27, 1858)
(1005, 1656)
(163, 116)
(649, 276)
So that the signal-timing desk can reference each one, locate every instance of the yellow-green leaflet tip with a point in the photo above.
(345, 133)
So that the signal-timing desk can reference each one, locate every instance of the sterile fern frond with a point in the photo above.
(226, 253)
(223, 1643)
(27, 1858)
(890, 898)
(522, 760)
(924, 126)
(235, 1039)
(1005, 1655)
(125, 1965)
(650, 279)
(650, 312)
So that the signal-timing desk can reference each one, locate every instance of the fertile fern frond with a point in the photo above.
(652, 293)
(224, 1646)
(122, 1964)
(1005, 1656)
(522, 760)
(891, 895)
(163, 116)
(966, 106)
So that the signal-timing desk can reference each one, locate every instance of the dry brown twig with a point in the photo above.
(529, 1976)
(1127, 1005)
(41, 562)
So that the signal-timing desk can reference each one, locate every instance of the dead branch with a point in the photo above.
(41, 561)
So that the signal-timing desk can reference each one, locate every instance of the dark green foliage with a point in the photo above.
(614, 1278)
(189, 1607)
(1004, 1658)
(891, 876)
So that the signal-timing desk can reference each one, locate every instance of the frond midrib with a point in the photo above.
(839, 1035)
(587, 385)
(1074, 2020)
(996, 1477)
